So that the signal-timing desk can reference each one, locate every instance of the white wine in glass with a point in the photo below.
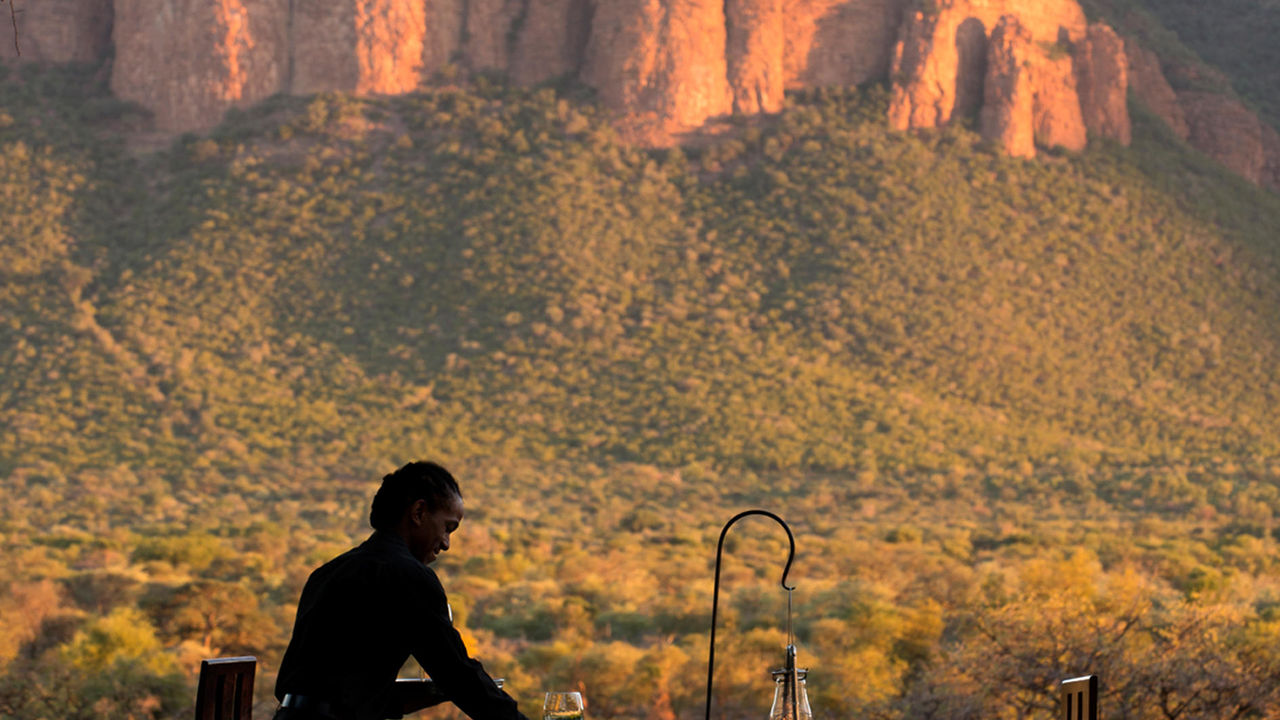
(562, 706)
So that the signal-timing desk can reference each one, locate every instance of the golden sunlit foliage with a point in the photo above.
(1022, 415)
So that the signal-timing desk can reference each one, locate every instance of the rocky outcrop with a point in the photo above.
(320, 48)
(489, 24)
(190, 60)
(389, 45)
(659, 66)
(1102, 77)
(1152, 88)
(939, 62)
(1006, 115)
(839, 42)
(755, 44)
(1224, 129)
(1217, 125)
(945, 60)
(369, 46)
(1056, 111)
(552, 40)
(931, 61)
(58, 31)
(443, 37)
(1029, 73)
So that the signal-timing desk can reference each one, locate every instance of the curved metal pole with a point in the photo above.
(715, 595)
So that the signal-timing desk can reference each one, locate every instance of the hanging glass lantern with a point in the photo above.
(790, 698)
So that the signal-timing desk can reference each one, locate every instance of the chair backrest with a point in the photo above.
(225, 691)
(1080, 698)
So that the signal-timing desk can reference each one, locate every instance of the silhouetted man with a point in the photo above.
(363, 613)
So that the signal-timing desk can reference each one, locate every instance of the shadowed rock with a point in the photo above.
(370, 46)
(659, 65)
(190, 60)
(1007, 103)
(552, 40)
(1102, 75)
(839, 42)
(1227, 131)
(1152, 88)
(58, 31)
(754, 52)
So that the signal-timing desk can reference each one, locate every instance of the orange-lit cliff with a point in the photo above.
(1027, 73)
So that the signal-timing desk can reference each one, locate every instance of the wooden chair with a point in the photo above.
(225, 691)
(1080, 698)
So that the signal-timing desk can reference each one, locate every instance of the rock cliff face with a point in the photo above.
(1224, 129)
(1102, 76)
(1056, 109)
(754, 54)
(949, 65)
(1029, 73)
(1153, 89)
(552, 40)
(839, 42)
(190, 60)
(369, 46)
(660, 67)
(1008, 98)
(667, 66)
(58, 31)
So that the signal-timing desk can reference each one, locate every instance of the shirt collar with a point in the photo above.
(388, 541)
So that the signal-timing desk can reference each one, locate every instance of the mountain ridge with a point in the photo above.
(662, 69)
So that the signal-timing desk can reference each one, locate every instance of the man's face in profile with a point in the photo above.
(430, 529)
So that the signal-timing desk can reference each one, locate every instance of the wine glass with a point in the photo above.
(562, 706)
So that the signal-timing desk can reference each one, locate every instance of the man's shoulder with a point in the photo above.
(421, 575)
(396, 561)
(379, 556)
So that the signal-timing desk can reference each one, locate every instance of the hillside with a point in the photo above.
(814, 293)
(962, 374)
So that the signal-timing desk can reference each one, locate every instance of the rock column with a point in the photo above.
(1102, 78)
(659, 65)
(755, 45)
(1008, 97)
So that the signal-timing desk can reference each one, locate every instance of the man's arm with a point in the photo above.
(440, 651)
(414, 695)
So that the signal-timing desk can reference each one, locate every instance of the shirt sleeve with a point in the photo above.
(439, 649)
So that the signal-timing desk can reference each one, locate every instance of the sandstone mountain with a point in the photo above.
(1028, 73)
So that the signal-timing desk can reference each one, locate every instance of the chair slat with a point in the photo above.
(225, 689)
(1080, 698)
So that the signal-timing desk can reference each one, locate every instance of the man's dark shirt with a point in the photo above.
(360, 617)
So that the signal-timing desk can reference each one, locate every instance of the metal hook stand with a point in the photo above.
(715, 600)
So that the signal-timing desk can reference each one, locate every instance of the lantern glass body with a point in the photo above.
(786, 707)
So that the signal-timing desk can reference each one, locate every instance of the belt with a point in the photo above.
(307, 703)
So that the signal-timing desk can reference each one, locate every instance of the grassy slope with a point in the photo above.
(326, 282)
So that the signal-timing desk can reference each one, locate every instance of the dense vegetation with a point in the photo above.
(1023, 415)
